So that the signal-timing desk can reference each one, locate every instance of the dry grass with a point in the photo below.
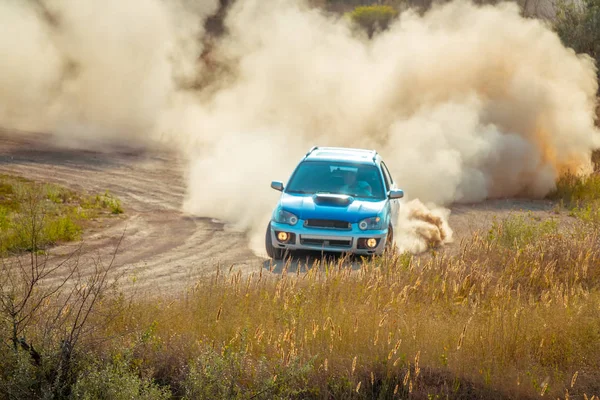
(494, 322)
(516, 314)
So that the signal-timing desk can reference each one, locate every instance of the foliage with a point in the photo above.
(116, 381)
(46, 302)
(107, 200)
(589, 213)
(373, 18)
(518, 231)
(232, 374)
(59, 213)
(578, 25)
(580, 195)
(572, 190)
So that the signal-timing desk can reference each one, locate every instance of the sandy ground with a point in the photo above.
(163, 248)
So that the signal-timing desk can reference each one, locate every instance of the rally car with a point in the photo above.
(337, 199)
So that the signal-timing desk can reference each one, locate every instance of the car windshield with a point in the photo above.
(358, 180)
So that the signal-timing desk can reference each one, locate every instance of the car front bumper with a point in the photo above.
(328, 240)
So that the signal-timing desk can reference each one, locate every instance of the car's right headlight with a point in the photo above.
(284, 217)
(372, 223)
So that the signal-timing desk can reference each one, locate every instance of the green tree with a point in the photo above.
(578, 25)
(373, 18)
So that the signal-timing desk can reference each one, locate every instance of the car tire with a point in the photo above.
(272, 252)
(389, 240)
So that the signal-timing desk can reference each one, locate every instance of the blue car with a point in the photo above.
(337, 199)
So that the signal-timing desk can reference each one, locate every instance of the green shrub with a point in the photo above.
(213, 375)
(107, 200)
(373, 18)
(55, 213)
(572, 190)
(59, 195)
(62, 228)
(580, 195)
(116, 381)
(226, 375)
(519, 230)
(19, 378)
(4, 221)
(589, 213)
(7, 193)
(5, 188)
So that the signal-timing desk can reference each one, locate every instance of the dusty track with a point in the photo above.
(162, 247)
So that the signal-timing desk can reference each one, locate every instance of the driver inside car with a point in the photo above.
(353, 186)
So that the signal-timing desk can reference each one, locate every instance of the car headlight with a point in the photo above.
(284, 217)
(372, 223)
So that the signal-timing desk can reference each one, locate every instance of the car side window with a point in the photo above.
(387, 176)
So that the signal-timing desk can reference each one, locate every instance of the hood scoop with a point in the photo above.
(329, 199)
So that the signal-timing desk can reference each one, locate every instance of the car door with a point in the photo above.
(390, 185)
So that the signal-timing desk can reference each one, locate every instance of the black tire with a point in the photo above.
(274, 253)
(389, 240)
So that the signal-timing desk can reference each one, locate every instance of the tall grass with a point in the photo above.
(513, 315)
(492, 322)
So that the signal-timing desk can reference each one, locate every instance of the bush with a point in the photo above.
(116, 381)
(62, 228)
(588, 213)
(109, 201)
(373, 18)
(232, 373)
(574, 191)
(57, 214)
(18, 376)
(518, 231)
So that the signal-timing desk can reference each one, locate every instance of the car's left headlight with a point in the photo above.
(284, 217)
(372, 223)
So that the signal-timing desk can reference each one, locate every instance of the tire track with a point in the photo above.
(164, 249)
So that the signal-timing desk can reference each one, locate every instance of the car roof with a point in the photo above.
(355, 155)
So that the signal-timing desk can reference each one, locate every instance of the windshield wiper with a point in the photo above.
(298, 191)
(362, 196)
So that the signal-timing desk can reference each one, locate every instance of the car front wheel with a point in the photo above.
(389, 241)
(273, 252)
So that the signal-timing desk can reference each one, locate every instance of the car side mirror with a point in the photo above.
(396, 194)
(277, 185)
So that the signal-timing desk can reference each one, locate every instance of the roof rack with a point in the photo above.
(373, 152)
(312, 149)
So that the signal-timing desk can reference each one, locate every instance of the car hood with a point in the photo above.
(343, 208)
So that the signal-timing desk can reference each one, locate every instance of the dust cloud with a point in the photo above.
(92, 71)
(464, 102)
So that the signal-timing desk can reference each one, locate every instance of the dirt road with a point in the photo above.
(164, 248)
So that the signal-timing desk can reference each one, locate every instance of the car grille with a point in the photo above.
(326, 242)
(328, 223)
